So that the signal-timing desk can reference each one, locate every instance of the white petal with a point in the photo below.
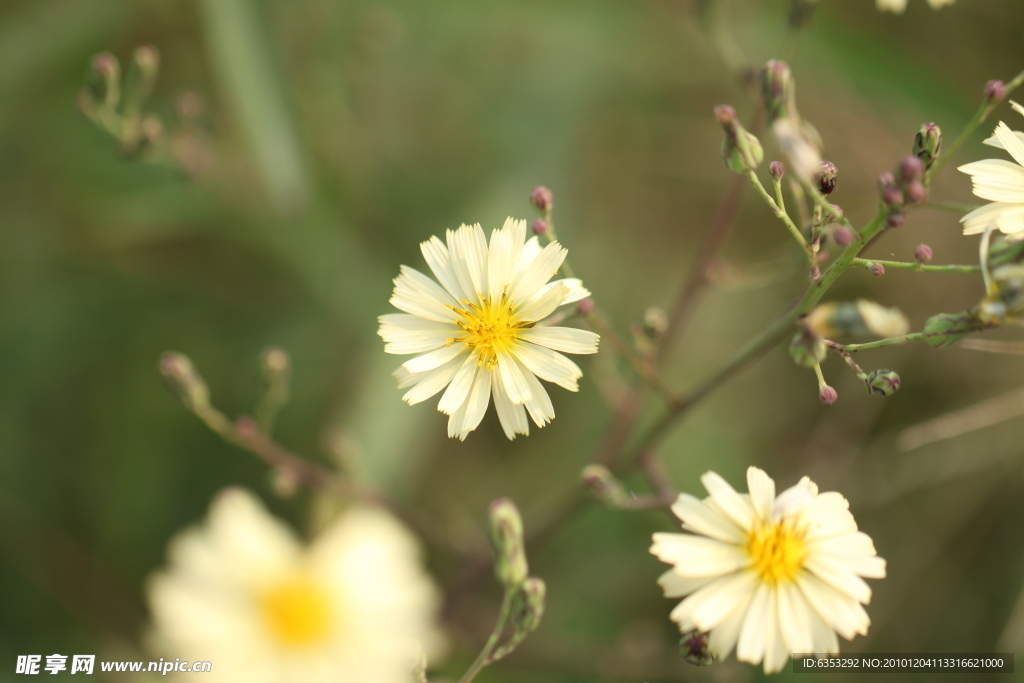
(1010, 142)
(436, 255)
(429, 383)
(455, 420)
(713, 603)
(404, 333)
(479, 399)
(531, 250)
(762, 492)
(511, 416)
(838, 574)
(565, 339)
(723, 638)
(997, 180)
(540, 306)
(796, 498)
(757, 628)
(795, 618)
(504, 252)
(458, 390)
(539, 406)
(1008, 218)
(417, 294)
(676, 585)
(696, 556)
(434, 359)
(549, 365)
(841, 612)
(575, 291)
(538, 273)
(737, 508)
(701, 519)
(512, 379)
(467, 249)
(775, 654)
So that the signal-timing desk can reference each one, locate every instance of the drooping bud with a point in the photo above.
(655, 322)
(915, 193)
(542, 198)
(183, 381)
(586, 306)
(877, 269)
(528, 607)
(825, 177)
(895, 219)
(827, 395)
(778, 90)
(842, 236)
(882, 382)
(777, 169)
(927, 144)
(923, 253)
(694, 648)
(911, 169)
(741, 149)
(603, 485)
(105, 80)
(807, 349)
(540, 227)
(507, 540)
(995, 91)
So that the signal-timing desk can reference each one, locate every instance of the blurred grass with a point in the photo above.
(341, 135)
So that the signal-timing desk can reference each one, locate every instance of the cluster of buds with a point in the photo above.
(115, 104)
(741, 149)
(905, 188)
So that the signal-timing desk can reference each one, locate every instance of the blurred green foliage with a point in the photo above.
(335, 137)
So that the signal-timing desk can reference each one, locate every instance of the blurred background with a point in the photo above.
(309, 146)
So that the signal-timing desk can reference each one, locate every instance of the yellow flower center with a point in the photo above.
(777, 551)
(297, 611)
(490, 327)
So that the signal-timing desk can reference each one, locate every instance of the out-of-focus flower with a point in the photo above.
(898, 6)
(768, 575)
(801, 155)
(1002, 183)
(243, 593)
(862, 318)
(476, 330)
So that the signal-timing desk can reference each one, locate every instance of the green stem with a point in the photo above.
(780, 213)
(895, 341)
(484, 658)
(867, 263)
(938, 206)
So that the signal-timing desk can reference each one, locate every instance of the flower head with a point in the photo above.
(244, 593)
(899, 6)
(477, 330)
(1002, 183)
(768, 575)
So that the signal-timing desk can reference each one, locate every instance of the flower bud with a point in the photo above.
(825, 177)
(655, 322)
(694, 648)
(603, 485)
(882, 382)
(892, 196)
(915, 193)
(741, 149)
(528, 607)
(507, 540)
(877, 269)
(105, 80)
(778, 90)
(1005, 302)
(807, 349)
(586, 306)
(827, 395)
(895, 219)
(927, 144)
(542, 198)
(995, 91)
(842, 236)
(911, 169)
(183, 381)
(923, 253)
(886, 180)
(777, 169)
(540, 227)
(946, 329)
(142, 73)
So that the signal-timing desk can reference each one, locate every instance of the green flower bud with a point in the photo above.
(603, 485)
(104, 85)
(927, 144)
(778, 90)
(183, 381)
(694, 648)
(741, 149)
(528, 607)
(946, 329)
(807, 349)
(141, 77)
(882, 382)
(507, 539)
